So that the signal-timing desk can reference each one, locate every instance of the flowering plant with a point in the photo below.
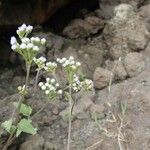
(28, 48)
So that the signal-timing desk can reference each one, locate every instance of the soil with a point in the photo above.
(116, 56)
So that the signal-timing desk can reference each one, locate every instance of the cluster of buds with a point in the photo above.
(51, 88)
(22, 90)
(28, 47)
(69, 64)
(24, 30)
(50, 67)
(40, 62)
(77, 85)
(87, 84)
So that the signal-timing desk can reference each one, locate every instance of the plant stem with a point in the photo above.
(36, 79)
(28, 66)
(12, 135)
(70, 111)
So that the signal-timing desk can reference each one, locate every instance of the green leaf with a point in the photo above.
(18, 132)
(25, 110)
(25, 126)
(7, 125)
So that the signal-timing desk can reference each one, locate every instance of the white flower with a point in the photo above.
(35, 48)
(59, 91)
(78, 64)
(13, 40)
(29, 28)
(47, 92)
(71, 58)
(43, 87)
(30, 45)
(13, 47)
(57, 85)
(32, 39)
(23, 46)
(41, 84)
(24, 26)
(58, 60)
(73, 67)
(43, 41)
(37, 39)
(19, 88)
(53, 80)
(47, 79)
(63, 59)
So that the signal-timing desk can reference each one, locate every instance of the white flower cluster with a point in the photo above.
(24, 30)
(22, 90)
(77, 85)
(50, 67)
(69, 63)
(28, 47)
(87, 84)
(27, 43)
(40, 62)
(51, 87)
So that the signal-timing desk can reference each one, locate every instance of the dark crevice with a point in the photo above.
(63, 16)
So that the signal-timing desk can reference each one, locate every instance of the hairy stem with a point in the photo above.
(36, 79)
(12, 135)
(70, 111)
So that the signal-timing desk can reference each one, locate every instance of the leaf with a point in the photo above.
(18, 132)
(25, 110)
(25, 126)
(7, 125)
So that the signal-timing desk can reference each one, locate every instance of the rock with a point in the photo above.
(107, 6)
(101, 77)
(49, 146)
(29, 11)
(3, 93)
(133, 92)
(119, 71)
(134, 63)
(144, 12)
(35, 142)
(90, 55)
(81, 28)
(125, 32)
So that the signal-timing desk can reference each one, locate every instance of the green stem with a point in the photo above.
(70, 111)
(36, 80)
(12, 135)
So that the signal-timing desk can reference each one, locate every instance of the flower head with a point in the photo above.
(40, 62)
(51, 88)
(50, 67)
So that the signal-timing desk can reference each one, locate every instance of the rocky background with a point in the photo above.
(111, 38)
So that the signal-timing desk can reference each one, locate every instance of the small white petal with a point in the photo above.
(53, 80)
(13, 47)
(30, 45)
(23, 46)
(78, 64)
(47, 92)
(41, 84)
(43, 87)
(59, 91)
(47, 79)
(35, 48)
(43, 41)
(13, 40)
